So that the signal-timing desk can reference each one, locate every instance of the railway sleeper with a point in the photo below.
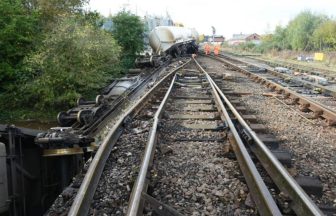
(304, 107)
(215, 116)
(284, 156)
(241, 109)
(159, 208)
(311, 184)
(249, 118)
(209, 108)
(235, 102)
(208, 101)
(269, 140)
(258, 127)
(327, 210)
(199, 97)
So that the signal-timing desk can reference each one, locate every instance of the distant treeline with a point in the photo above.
(53, 51)
(306, 32)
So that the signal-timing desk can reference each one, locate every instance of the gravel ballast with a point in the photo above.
(311, 143)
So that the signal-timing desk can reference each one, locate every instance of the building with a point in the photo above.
(217, 38)
(244, 38)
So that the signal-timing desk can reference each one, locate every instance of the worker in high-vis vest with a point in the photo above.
(216, 49)
(207, 49)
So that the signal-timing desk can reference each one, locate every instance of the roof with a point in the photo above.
(241, 36)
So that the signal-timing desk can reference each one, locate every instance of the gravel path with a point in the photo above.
(313, 145)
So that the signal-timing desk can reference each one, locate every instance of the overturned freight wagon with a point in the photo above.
(169, 42)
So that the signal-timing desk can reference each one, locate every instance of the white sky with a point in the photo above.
(227, 16)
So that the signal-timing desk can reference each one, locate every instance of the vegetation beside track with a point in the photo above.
(305, 34)
(52, 52)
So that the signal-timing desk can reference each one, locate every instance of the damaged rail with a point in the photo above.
(81, 203)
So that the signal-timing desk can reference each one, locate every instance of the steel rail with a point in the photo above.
(302, 205)
(294, 66)
(260, 193)
(82, 201)
(139, 186)
(101, 121)
(315, 107)
(301, 68)
(305, 83)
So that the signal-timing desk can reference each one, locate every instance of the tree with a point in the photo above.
(53, 10)
(128, 30)
(279, 38)
(301, 28)
(19, 34)
(324, 36)
(75, 59)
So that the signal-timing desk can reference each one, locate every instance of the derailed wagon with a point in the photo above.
(169, 42)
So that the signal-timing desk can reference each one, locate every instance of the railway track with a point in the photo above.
(309, 141)
(329, 74)
(166, 190)
(107, 138)
(294, 93)
(173, 158)
(290, 79)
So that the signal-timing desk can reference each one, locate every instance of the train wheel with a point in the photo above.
(80, 101)
(84, 116)
(63, 119)
(99, 99)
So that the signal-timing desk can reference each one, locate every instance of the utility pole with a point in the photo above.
(213, 34)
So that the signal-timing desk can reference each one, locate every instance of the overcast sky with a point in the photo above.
(227, 16)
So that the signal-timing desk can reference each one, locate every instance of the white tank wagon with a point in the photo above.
(172, 40)
(169, 42)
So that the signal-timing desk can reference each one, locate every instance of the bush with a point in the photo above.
(19, 33)
(75, 59)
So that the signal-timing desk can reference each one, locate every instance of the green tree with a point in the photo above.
(325, 35)
(74, 59)
(53, 10)
(301, 28)
(19, 34)
(128, 30)
(279, 39)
